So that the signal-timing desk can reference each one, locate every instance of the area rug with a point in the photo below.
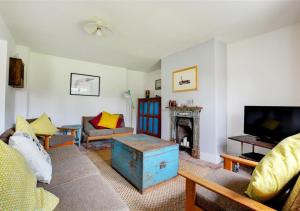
(169, 195)
(103, 144)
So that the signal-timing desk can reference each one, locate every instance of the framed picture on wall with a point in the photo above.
(158, 84)
(185, 79)
(84, 85)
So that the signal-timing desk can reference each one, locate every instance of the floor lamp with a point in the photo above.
(128, 96)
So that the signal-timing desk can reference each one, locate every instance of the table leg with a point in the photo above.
(242, 147)
(253, 147)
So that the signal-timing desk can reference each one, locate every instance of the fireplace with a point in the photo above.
(185, 125)
(184, 133)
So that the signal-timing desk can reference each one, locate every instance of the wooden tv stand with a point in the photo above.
(254, 141)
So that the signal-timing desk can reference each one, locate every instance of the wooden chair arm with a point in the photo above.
(73, 130)
(46, 140)
(192, 179)
(229, 160)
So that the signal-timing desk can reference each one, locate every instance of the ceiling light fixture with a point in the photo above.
(96, 27)
(99, 32)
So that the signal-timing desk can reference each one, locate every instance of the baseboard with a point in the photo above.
(209, 157)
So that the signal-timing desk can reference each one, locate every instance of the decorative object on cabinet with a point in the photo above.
(158, 84)
(149, 116)
(128, 96)
(16, 73)
(84, 85)
(185, 79)
(172, 103)
(147, 93)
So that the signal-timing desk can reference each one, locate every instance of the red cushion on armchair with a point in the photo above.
(97, 118)
(95, 121)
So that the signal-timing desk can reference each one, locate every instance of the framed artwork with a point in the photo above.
(84, 85)
(185, 79)
(158, 84)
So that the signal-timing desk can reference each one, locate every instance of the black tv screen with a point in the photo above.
(271, 123)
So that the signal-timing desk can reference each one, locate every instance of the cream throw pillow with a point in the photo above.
(34, 153)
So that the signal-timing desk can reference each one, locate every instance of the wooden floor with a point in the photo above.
(105, 154)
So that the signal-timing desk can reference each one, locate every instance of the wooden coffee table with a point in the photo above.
(145, 160)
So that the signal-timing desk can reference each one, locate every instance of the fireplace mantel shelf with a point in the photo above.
(185, 108)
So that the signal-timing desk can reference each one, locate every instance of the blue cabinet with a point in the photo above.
(149, 116)
(144, 160)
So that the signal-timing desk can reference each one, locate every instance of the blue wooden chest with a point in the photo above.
(145, 160)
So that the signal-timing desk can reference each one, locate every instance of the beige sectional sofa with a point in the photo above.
(78, 182)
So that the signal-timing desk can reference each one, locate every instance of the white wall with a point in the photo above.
(150, 82)
(221, 95)
(49, 87)
(210, 72)
(136, 84)
(21, 95)
(263, 70)
(7, 49)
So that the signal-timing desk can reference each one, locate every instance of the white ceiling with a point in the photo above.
(143, 31)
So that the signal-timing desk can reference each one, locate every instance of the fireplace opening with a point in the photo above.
(184, 133)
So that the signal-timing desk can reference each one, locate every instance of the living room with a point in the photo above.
(238, 56)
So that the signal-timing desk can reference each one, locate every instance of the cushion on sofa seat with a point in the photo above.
(102, 132)
(88, 193)
(61, 154)
(209, 200)
(122, 130)
(70, 170)
(88, 126)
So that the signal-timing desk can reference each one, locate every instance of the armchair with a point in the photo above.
(225, 189)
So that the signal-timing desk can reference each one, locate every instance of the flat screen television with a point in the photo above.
(271, 123)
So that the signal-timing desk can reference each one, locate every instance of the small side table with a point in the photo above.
(78, 132)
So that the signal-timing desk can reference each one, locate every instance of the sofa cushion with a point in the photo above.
(101, 132)
(275, 170)
(122, 130)
(88, 126)
(23, 126)
(70, 170)
(8, 133)
(60, 154)
(94, 121)
(43, 125)
(18, 184)
(88, 193)
(209, 200)
(109, 120)
(34, 153)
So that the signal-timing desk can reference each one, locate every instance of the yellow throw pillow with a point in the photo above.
(18, 184)
(43, 126)
(109, 120)
(275, 170)
(23, 126)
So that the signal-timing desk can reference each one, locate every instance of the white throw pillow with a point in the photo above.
(35, 155)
